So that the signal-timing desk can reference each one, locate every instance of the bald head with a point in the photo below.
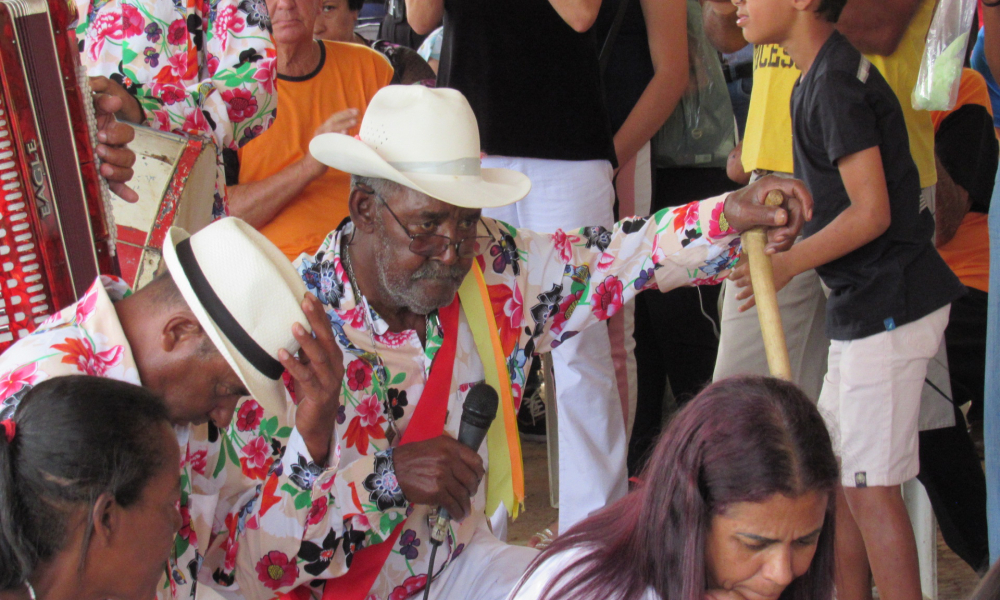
(175, 357)
(162, 291)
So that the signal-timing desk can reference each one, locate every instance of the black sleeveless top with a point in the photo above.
(532, 80)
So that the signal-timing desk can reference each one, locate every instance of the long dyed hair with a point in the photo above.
(741, 439)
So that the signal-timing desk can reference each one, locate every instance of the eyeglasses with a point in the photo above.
(432, 244)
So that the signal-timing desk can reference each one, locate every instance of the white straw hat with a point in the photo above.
(246, 295)
(425, 139)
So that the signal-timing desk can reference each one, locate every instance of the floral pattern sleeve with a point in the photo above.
(288, 520)
(547, 288)
(203, 67)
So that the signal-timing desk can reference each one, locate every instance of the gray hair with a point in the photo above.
(382, 187)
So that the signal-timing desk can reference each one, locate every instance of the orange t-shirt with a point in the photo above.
(968, 253)
(347, 77)
(971, 90)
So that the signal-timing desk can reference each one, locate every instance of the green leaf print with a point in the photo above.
(389, 521)
(269, 426)
(303, 500)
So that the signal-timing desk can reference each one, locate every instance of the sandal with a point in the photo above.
(543, 539)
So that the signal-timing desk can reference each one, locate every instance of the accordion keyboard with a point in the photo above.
(24, 301)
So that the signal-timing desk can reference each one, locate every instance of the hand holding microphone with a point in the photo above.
(478, 412)
(442, 471)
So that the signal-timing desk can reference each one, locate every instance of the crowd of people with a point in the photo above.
(279, 413)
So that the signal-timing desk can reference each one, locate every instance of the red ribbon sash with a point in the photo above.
(427, 422)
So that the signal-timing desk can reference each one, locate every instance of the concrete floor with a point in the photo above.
(956, 580)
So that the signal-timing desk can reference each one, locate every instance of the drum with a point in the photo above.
(175, 179)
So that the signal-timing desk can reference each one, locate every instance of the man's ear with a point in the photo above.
(363, 208)
(181, 329)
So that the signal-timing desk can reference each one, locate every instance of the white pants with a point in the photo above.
(634, 188)
(487, 569)
(592, 443)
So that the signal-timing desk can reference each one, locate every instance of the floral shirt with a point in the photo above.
(543, 289)
(221, 470)
(203, 67)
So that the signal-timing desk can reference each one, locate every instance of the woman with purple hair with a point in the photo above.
(736, 503)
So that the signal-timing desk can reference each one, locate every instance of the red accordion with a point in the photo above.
(55, 229)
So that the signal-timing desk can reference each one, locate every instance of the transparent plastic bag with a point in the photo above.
(702, 129)
(944, 55)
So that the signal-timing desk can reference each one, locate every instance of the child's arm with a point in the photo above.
(865, 219)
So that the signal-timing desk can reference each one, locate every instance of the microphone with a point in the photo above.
(478, 412)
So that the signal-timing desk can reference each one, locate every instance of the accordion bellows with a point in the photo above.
(56, 233)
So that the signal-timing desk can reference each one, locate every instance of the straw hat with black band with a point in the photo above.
(246, 295)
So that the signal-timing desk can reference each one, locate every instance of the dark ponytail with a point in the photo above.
(76, 438)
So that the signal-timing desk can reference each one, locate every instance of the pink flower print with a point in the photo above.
(197, 461)
(101, 28)
(169, 93)
(687, 215)
(658, 255)
(240, 104)
(275, 570)
(370, 411)
(178, 32)
(368, 424)
(257, 452)
(232, 547)
(393, 339)
(564, 244)
(605, 261)
(196, 123)
(355, 317)
(16, 380)
(328, 483)
(317, 511)
(249, 416)
(132, 24)
(514, 308)
(706, 281)
(411, 585)
(181, 66)
(228, 19)
(718, 225)
(265, 74)
(360, 522)
(162, 120)
(85, 307)
(185, 531)
(213, 65)
(79, 352)
(359, 375)
(566, 308)
(607, 298)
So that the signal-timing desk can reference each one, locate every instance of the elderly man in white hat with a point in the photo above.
(222, 323)
(427, 298)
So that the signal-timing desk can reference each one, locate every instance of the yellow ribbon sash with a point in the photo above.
(506, 474)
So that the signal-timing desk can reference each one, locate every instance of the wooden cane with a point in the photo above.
(762, 275)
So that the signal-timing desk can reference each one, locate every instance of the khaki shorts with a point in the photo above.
(871, 400)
